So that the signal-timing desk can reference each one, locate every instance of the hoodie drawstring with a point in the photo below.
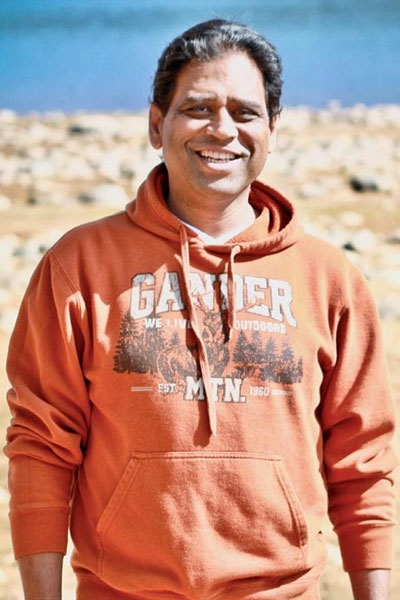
(194, 323)
(231, 290)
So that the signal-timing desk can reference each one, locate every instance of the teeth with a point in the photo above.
(217, 156)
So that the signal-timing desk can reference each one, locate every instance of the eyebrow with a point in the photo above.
(194, 99)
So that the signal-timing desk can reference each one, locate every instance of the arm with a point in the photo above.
(41, 576)
(370, 584)
(50, 411)
(357, 418)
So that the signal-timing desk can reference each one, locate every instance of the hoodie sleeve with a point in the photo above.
(50, 410)
(358, 421)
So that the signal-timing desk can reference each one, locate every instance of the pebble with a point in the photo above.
(311, 190)
(103, 124)
(389, 308)
(5, 297)
(3, 576)
(334, 554)
(373, 183)
(7, 116)
(42, 169)
(105, 195)
(394, 237)
(5, 203)
(8, 244)
(363, 183)
(360, 240)
(4, 495)
(351, 218)
(8, 317)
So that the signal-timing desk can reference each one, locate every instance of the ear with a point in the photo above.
(156, 120)
(273, 127)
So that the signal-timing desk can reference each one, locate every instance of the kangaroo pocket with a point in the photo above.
(181, 520)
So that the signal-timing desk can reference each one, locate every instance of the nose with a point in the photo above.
(222, 125)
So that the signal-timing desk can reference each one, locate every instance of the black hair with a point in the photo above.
(207, 41)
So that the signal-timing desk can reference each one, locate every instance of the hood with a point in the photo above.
(274, 229)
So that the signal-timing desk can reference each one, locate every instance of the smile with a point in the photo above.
(217, 157)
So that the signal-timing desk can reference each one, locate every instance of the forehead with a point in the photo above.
(233, 75)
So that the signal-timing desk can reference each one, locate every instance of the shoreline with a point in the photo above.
(332, 105)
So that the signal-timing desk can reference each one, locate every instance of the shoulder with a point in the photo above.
(92, 234)
(324, 255)
(83, 251)
(333, 269)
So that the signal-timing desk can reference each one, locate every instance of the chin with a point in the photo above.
(226, 189)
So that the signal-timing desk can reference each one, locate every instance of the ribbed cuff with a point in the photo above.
(367, 548)
(42, 530)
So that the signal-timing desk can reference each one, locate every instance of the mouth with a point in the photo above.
(218, 157)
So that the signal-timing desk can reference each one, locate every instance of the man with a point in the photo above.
(197, 377)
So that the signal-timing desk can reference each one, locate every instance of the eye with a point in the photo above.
(245, 114)
(199, 110)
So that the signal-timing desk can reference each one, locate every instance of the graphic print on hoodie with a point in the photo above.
(143, 345)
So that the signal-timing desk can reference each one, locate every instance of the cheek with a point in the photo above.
(263, 145)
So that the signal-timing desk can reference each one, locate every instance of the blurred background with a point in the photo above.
(101, 55)
(75, 79)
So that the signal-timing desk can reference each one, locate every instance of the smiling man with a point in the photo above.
(194, 405)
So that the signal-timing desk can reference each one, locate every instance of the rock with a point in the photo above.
(54, 117)
(28, 251)
(33, 248)
(105, 195)
(42, 169)
(38, 132)
(5, 203)
(349, 246)
(351, 218)
(103, 124)
(8, 317)
(389, 308)
(295, 118)
(311, 190)
(334, 553)
(76, 129)
(4, 495)
(373, 183)
(387, 184)
(5, 296)
(47, 239)
(19, 279)
(110, 167)
(8, 244)
(363, 183)
(76, 168)
(360, 240)
(357, 114)
(394, 237)
(127, 169)
(7, 116)
(36, 198)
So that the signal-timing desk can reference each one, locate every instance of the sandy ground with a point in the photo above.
(380, 212)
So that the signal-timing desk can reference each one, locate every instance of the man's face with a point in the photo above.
(216, 133)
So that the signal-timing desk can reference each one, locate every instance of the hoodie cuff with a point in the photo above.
(37, 531)
(370, 548)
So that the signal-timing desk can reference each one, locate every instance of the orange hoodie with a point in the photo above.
(199, 407)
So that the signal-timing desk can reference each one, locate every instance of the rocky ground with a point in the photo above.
(341, 166)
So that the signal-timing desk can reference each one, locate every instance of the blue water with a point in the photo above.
(101, 54)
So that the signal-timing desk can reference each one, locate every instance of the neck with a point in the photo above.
(215, 217)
